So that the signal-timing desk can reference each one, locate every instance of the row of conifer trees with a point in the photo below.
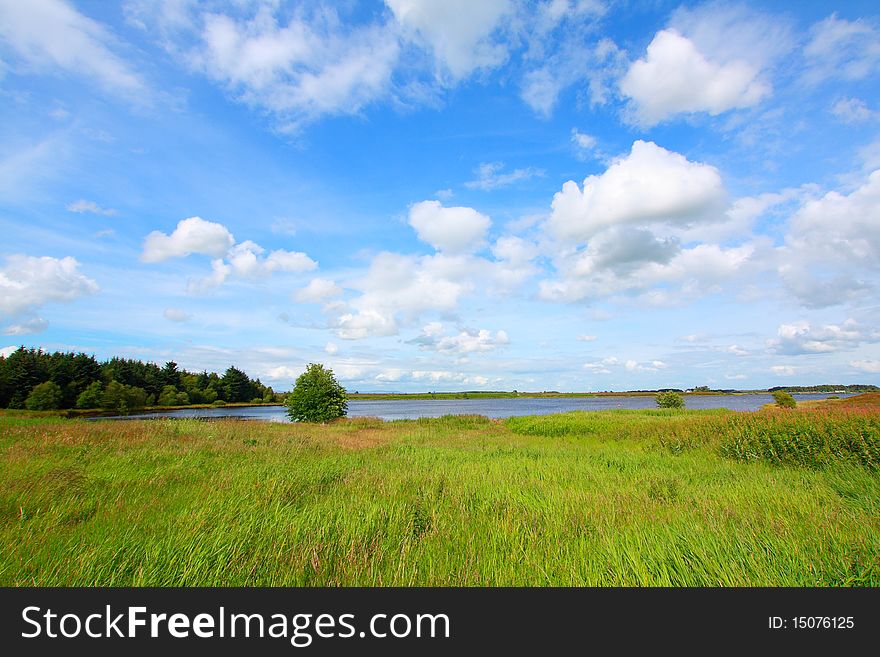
(39, 380)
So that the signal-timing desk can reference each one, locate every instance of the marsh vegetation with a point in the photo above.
(653, 497)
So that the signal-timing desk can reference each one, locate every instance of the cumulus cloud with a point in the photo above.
(82, 205)
(601, 367)
(28, 282)
(465, 342)
(331, 348)
(219, 273)
(193, 235)
(490, 176)
(783, 370)
(318, 290)
(453, 230)
(675, 77)
(461, 35)
(52, 35)
(246, 260)
(670, 188)
(832, 244)
(804, 338)
(650, 366)
(398, 289)
(656, 268)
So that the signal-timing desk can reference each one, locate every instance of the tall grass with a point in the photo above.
(617, 498)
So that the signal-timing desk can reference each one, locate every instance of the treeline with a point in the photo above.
(37, 380)
(828, 387)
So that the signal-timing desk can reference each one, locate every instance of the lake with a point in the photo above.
(408, 409)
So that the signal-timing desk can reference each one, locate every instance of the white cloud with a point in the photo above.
(643, 263)
(587, 338)
(572, 60)
(585, 145)
(675, 77)
(318, 289)
(83, 205)
(832, 244)
(35, 325)
(489, 176)
(803, 338)
(452, 230)
(783, 370)
(465, 342)
(6, 352)
(27, 282)
(872, 366)
(736, 350)
(51, 34)
(301, 70)
(219, 273)
(602, 366)
(176, 315)
(246, 260)
(670, 189)
(842, 49)
(331, 348)
(651, 366)
(853, 110)
(365, 323)
(459, 33)
(399, 288)
(192, 235)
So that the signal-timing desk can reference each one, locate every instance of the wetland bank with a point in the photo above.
(610, 498)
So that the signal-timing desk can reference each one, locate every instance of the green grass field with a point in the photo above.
(696, 498)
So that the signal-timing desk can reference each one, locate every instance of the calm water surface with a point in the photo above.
(408, 409)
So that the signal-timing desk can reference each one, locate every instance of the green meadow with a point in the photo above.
(621, 498)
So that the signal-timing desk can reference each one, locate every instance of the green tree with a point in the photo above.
(91, 396)
(669, 399)
(783, 399)
(44, 397)
(168, 397)
(237, 385)
(316, 396)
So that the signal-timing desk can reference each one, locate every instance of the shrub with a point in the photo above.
(122, 398)
(669, 399)
(783, 399)
(91, 396)
(44, 397)
(316, 396)
(218, 402)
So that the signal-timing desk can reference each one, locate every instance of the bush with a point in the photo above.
(218, 403)
(44, 397)
(669, 399)
(784, 400)
(91, 396)
(122, 398)
(316, 396)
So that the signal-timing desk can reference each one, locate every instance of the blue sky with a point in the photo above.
(559, 195)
